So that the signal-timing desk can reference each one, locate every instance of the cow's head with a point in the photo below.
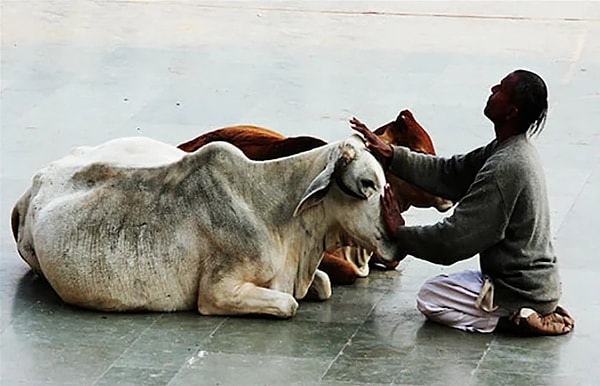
(406, 131)
(350, 187)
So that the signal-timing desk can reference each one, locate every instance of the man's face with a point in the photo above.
(500, 107)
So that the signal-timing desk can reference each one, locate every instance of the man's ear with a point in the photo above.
(513, 113)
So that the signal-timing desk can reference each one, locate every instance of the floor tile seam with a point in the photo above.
(349, 340)
(527, 350)
(197, 349)
(350, 383)
(200, 347)
(575, 200)
(127, 349)
(398, 375)
(576, 374)
(261, 355)
(483, 356)
(528, 371)
(19, 381)
(341, 351)
(214, 331)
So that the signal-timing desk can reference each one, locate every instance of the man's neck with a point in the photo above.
(505, 132)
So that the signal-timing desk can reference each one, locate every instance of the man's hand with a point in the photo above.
(391, 211)
(381, 150)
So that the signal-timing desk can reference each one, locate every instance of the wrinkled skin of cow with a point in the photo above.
(137, 224)
(258, 143)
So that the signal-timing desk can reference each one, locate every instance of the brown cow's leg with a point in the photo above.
(340, 271)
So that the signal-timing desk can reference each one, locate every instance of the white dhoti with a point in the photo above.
(463, 300)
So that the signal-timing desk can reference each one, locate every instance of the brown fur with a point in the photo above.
(258, 143)
(339, 270)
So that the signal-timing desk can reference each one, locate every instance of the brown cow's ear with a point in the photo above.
(406, 118)
(401, 122)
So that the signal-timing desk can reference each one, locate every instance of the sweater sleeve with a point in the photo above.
(478, 222)
(445, 177)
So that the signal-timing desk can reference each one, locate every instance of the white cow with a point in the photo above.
(136, 224)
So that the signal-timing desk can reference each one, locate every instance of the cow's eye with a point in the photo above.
(367, 184)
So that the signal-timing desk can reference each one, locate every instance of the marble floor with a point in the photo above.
(82, 72)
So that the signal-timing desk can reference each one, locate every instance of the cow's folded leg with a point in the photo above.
(246, 298)
(338, 270)
(320, 288)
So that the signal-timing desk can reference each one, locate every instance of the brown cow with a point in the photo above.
(257, 143)
(260, 144)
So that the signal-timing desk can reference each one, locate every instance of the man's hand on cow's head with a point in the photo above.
(391, 211)
(381, 150)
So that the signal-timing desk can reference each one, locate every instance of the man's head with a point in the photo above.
(520, 100)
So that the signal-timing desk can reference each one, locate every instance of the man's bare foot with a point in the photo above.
(529, 322)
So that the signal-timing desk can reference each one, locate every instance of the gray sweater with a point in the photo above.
(502, 214)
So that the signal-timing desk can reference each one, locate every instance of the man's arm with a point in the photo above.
(444, 177)
(478, 222)
(448, 178)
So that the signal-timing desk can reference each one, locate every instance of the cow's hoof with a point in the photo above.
(378, 263)
(286, 307)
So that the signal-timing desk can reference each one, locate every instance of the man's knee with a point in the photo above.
(430, 298)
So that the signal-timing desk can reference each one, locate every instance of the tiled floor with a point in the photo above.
(82, 72)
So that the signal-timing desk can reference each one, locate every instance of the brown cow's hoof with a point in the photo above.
(378, 263)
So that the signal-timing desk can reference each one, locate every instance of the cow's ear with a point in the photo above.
(316, 190)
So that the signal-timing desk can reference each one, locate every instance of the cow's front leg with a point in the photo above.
(320, 288)
(243, 299)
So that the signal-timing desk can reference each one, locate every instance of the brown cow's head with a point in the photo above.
(406, 131)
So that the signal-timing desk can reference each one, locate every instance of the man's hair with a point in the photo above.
(530, 95)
